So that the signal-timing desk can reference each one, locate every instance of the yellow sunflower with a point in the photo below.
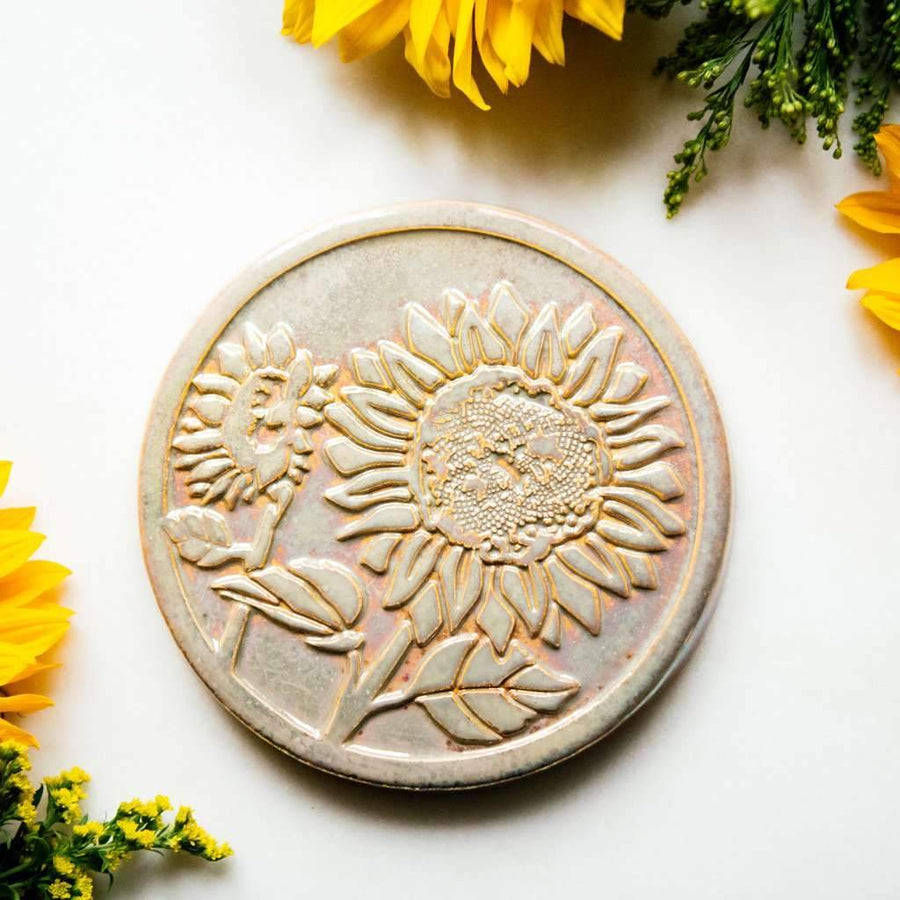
(30, 622)
(504, 31)
(880, 211)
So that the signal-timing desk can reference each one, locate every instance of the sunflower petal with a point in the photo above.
(425, 613)
(876, 210)
(297, 20)
(376, 554)
(548, 37)
(518, 36)
(31, 580)
(348, 458)
(30, 670)
(5, 469)
(461, 577)
(15, 548)
(371, 487)
(541, 353)
(14, 660)
(476, 341)
(496, 621)
(374, 30)
(10, 732)
(888, 140)
(883, 278)
(577, 597)
(19, 519)
(526, 591)
(333, 15)
(423, 15)
(885, 306)
(424, 334)
(24, 703)
(604, 15)
(489, 58)
(34, 630)
(391, 517)
(434, 68)
(411, 567)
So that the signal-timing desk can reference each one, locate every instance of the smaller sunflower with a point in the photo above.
(879, 211)
(503, 31)
(246, 425)
(30, 622)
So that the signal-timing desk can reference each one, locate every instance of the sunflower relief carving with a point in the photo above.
(501, 473)
(245, 433)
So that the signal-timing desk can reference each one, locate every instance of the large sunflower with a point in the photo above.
(504, 31)
(30, 621)
(502, 462)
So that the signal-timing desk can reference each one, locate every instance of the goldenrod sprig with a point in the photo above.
(795, 57)
(56, 854)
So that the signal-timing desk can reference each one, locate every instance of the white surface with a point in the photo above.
(150, 151)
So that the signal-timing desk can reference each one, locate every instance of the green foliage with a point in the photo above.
(52, 850)
(794, 57)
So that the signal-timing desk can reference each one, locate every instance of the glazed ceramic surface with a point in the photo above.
(435, 497)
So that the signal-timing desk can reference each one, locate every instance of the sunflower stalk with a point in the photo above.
(361, 695)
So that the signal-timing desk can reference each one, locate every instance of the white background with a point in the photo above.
(149, 151)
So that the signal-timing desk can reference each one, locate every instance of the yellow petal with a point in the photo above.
(34, 630)
(376, 29)
(548, 37)
(513, 42)
(888, 140)
(297, 19)
(604, 15)
(875, 210)
(333, 15)
(13, 662)
(497, 24)
(885, 278)
(885, 306)
(17, 518)
(489, 58)
(5, 469)
(435, 68)
(24, 703)
(15, 548)
(10, 732)
(31, 670)
(462, 54)
(29, 581)
(423, 15)
(451, 7)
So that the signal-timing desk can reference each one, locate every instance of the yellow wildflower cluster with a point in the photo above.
(143, 838)
(90, 830)
(73, 881)
(17, 793)
(148, 809)
(66, 791)
(31, 622)
(80, 887)
(879, 211)
(188, 835)
(79, 847)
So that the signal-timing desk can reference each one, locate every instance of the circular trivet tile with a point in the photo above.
(435, 497)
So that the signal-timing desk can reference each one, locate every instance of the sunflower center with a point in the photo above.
(506, 467)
